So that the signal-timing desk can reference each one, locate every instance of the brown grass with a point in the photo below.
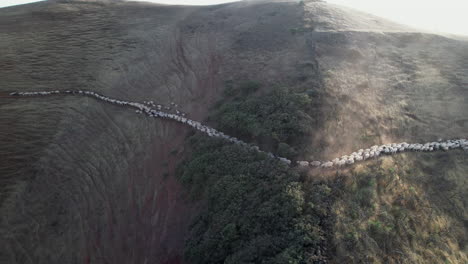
(388, 214)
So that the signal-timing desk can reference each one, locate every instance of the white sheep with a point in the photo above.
(361, 154)
(315, 163)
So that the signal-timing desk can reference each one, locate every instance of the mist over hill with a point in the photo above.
(87, 182)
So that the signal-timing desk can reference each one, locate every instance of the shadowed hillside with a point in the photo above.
(86, 182)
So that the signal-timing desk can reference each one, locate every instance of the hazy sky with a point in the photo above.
(4, 3)
(449, 16)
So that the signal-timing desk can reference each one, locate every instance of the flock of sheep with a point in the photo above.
(362, 154)
(388, 149)
(147, 108)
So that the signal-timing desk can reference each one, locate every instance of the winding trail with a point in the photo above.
(152, 110)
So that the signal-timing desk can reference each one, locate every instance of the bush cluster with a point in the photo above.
(277, 121)
(255, 207)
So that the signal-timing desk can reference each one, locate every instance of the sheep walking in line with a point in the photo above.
(389, 149)
(147, 107)
(327, 164)
(315, 163)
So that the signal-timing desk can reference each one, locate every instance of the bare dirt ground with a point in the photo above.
(84, 182)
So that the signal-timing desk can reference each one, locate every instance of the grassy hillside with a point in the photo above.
(404, 209)
(395, 211)
(84, 182)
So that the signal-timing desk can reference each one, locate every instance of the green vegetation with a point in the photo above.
(243, 89)
(277, 121)
(384, 216)
(257, 209)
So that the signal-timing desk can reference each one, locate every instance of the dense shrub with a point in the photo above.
(278, 120)
(255, 207)
(256, 210)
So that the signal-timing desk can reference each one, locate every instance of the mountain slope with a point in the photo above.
(87, 182)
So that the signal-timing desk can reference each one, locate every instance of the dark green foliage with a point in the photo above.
(383, 233)
(377, 228)
(277, 121)
(351, 239)
(284, 150)
(255, 207)
(366, 192)
(243, 89)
